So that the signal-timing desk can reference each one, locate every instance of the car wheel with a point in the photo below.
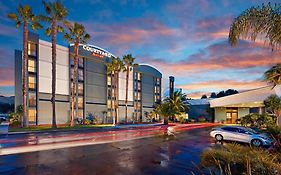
(218, 137)
(256, 143)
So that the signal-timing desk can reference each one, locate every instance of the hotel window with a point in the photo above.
(31, 65)
(31, 82)
(80, 88)
(109, 80)
(31, 115)
(80, 102)
(32, 99)
(71, 61)
(80, 113)
(137, 76)
(32, 49)
(80, 74)
(81, 62)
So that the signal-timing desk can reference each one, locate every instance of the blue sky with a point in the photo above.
(186, 39)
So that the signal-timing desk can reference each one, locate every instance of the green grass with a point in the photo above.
(49, 128)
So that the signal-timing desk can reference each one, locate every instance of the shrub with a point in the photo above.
(87, 122)
(236, 159)
(181, 118)
(202, 119)
(257, 120)
(15, 119)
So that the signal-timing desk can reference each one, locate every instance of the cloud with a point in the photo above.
(219, 56)
(6, 77)
(223, 85)
(138, 32)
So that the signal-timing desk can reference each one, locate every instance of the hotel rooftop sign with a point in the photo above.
(97, 52)
(94, 51)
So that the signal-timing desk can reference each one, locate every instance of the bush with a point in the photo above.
(257, 120)
(236, 159)
(87, 122)
(15, 119)
(181, 118)
(202, 119)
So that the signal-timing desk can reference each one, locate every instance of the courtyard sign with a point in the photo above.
(96, 51)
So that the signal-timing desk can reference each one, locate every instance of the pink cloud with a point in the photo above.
(6, 77)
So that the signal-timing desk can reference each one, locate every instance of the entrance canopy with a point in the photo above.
(247, 99)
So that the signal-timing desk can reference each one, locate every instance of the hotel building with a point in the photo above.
(95, 87)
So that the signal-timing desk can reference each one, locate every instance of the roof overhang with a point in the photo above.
(252, 98)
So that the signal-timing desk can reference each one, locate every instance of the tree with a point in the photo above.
(221, 94)
(25, 17)
(263, 21)
(129, 64)
(170, 107)
(273, 75)
(273, 105)
(213, 95)
(204, 96)
(56, 13)
(76, 35)
(113, 68)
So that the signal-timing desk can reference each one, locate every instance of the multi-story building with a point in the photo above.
(95, 87)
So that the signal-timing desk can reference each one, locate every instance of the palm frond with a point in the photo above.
(48, 31)
(60, 29)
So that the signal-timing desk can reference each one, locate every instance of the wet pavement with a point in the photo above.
(160, 154)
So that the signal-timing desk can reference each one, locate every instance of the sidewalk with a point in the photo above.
(88, 129)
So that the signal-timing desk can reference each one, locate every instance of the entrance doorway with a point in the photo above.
(231, 115)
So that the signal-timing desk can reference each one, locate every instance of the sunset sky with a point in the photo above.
(183, 38)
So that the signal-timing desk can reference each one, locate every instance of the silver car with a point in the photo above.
(241, 134)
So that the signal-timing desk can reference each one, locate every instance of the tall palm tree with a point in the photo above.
(56, 13)
(25, 17)
(76, 35)
(273, 75)
(114, 67)
(261, 21)
(129, 64)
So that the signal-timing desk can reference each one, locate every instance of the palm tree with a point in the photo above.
(171, 106)
(177, 102)
(25, 17)
(129, 64)
(165, 109)
(76, 35)
(273, 75)
(114, 67)
(56, 13)
(261, 21)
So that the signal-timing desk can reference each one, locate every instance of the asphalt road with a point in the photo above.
(177, 154)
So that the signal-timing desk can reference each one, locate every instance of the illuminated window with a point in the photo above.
(31, 65)
(80, 102)
(31, 82)
(32, 49)
(139, 76)
(80, 88)
(109, 80)
(32, 99)
(32, 115)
